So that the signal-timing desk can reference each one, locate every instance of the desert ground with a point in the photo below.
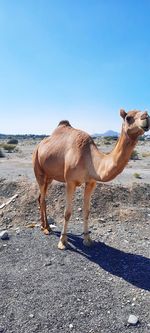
(79, 290)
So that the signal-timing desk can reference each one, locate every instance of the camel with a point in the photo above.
(70, 155)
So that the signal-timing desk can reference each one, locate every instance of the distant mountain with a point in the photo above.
(110, 133)
(107, 133)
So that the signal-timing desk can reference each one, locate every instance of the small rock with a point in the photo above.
(52, 226)
(109, 230)
(71, 326)
(94, 228)
(10, 226)
(48, 263)
(17, 231)
(116, 204)
(31, 315)
(133, 320)
(101, 220)
(4, 235)
(79, 209)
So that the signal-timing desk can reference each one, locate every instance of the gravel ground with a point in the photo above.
(79, 290)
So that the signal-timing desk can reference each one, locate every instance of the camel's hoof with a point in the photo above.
(61, 245)
(63, 241)
(46, 231)
(88, 242)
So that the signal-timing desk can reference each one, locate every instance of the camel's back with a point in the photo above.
(66, 147)
(63, 139)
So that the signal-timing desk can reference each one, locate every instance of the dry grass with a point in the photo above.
(8, 147)
(146, 154)
(1, 153)
(137, 175)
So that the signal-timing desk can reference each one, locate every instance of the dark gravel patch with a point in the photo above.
(79, 290)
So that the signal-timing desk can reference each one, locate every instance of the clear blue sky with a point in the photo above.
(80, 60)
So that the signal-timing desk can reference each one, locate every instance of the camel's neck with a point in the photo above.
(110, 165)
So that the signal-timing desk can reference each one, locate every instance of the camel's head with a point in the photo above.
(136, 123)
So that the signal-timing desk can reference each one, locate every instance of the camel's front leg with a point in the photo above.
(70, 188)
(89, 188)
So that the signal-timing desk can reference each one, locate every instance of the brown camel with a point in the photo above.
(70, 155)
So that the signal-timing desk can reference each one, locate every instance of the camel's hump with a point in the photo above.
(64, 122)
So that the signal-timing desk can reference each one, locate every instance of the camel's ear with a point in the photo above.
(123, 113)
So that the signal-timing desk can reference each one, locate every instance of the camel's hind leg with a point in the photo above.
(70, 189)
(89, 188)
(44, 222)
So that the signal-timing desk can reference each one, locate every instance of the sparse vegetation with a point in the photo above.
(9, 147)
(107, 142)
(1, 153)
(137, 175)
(12, 141)
(146, 154)
(108, 138)
(141, 138)
(134, 155)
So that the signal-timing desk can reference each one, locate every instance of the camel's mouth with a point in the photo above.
(146, 129)
(146, 125)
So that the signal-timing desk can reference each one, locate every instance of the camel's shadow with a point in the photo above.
(133, 268)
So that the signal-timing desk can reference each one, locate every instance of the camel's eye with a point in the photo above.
(129, 119)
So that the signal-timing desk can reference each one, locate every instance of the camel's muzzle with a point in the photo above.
(146, 124)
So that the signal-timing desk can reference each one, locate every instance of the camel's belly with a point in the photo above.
(58, 168)
(59, 179)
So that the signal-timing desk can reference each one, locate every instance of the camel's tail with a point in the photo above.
(36, 167)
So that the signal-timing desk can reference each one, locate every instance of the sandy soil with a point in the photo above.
(19, 163)
(79, 290)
